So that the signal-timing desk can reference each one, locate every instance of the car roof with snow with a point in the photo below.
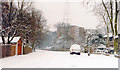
(75, 45)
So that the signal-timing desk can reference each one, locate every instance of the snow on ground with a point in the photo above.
(57, 59)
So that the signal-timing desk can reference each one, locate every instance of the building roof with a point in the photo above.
(110, 35)
(15, 39)
(116, 36)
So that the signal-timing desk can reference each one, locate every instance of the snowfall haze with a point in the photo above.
(78, 14)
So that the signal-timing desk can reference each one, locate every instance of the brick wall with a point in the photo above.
(74, 32)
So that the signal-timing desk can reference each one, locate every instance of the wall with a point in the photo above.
(75, 32)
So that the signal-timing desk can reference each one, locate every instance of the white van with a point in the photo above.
(75, 49)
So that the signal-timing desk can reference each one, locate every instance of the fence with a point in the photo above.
(5, 50)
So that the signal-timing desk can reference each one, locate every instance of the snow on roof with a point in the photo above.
(75, 45)
(101, 46)
(110, 35)
(111, 48)
(15, 39)
(116, 36)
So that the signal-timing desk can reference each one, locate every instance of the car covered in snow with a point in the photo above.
(111, 50)
(101, 49)
(75, 49)
(106, 51)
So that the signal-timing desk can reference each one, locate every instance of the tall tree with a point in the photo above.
(38, 24)
(107, 12)
(12, 19)
(9, 12)
(22, 20)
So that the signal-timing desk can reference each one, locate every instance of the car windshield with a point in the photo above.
(101, 48)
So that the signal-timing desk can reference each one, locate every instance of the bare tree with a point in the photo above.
(106, 12)
(37, 28)
(12, 19)
(9, 12)
(111, 16)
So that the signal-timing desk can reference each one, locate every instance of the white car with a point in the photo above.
(106, 50)
(75, 49)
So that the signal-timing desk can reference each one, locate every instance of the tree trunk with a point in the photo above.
(33, 47)
(115, 27)
(116, 46)
(119, 44)
(108, 41)
(111, 17)
(116, 16)
(3, 39)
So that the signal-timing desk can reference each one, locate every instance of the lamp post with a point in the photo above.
(89, 45)
(88, 42)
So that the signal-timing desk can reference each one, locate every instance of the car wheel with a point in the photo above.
(78, 53)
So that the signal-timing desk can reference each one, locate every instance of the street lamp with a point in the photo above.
(65, 45)
(90, 36)
(89, 45)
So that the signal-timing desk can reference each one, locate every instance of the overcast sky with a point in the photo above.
(78, 14)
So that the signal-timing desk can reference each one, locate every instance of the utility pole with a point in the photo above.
(89, 40)
(89, 46)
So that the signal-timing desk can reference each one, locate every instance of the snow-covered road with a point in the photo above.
(53, 59)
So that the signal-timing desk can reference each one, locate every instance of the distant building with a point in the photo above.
(111, 42)
(75, 32)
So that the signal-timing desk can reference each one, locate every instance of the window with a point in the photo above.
(110, 38)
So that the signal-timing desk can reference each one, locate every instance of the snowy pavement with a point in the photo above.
(57, 59)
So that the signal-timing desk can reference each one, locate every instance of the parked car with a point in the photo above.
(111, 50)
(106, 51)
(101, 49)
(49, 48)
(75, 49)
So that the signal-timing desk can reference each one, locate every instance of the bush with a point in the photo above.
(27, 50)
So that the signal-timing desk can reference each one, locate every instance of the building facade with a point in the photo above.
(75, 32)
